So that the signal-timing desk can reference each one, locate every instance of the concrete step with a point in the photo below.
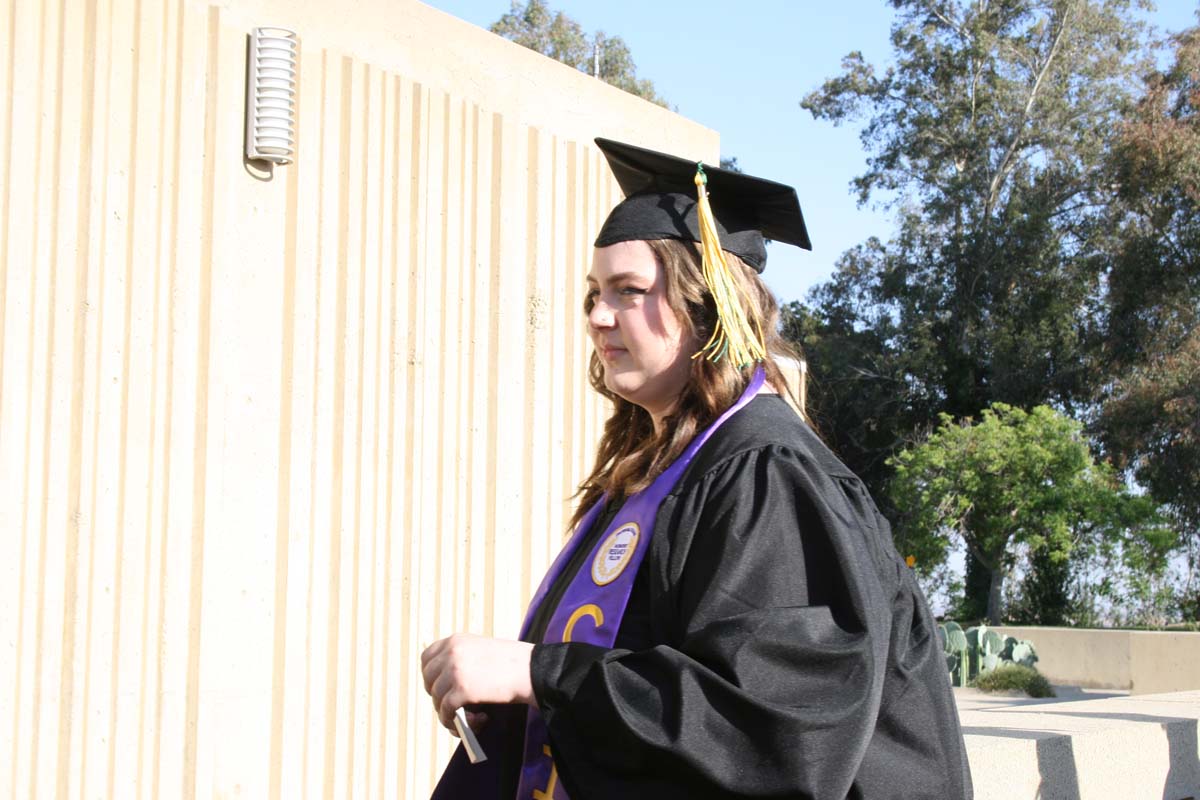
(1082, 745)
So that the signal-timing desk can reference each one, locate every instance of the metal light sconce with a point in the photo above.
(271, 95)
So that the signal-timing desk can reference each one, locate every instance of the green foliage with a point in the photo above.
(554, 34)
(979, 650)
(1019, 651)
(955, 648)
(1013, 477)
(1007, 677)
(1150, 418)
(991, 137)
(1134, 585)
(1044, 597)
(985, 99)
(984, 649)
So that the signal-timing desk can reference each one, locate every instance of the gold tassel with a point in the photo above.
(732, 334)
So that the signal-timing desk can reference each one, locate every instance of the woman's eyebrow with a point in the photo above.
(617, 277)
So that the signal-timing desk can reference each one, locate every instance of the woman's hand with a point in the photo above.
(464, 669)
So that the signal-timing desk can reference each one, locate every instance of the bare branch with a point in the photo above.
(1006, 163)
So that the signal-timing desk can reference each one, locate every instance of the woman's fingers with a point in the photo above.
(464, 670)
(447, 697)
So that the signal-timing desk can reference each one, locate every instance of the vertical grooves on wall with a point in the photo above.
(172, 156)
(118, 584)
(446, 311)
(571, 402)
(529, 378)
(44, 533)
(396, 581)
(390, 488)
(265, 434)
(200, 427)
(556, 314)
(493, 383)
(26, 498)
(339, 424)
(436, 323)
(473, 353)
(6, 151)
(428, 603)
(386, 361)
(314, 455)
(463, 271)
(283, 501)
(69, 710)
(144, 721)
(358, 382)
(411, 351)
(596, 208)
(378, 476)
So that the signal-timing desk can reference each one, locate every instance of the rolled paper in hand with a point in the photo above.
(474, 751)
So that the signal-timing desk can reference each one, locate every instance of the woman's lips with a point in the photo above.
(609, 353)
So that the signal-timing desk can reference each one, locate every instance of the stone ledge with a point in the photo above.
(1082, 749)
(1145, 662)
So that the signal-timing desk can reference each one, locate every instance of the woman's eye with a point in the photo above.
(632, 290)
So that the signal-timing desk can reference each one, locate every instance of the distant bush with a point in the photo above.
(1015, 676)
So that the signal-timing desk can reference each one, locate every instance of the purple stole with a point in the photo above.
(591, 608)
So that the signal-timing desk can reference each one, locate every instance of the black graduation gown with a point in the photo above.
(775, 644)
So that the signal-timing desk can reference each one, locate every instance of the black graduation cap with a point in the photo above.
(660, 203)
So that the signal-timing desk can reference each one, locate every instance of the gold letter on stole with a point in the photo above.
(548, 794)
(593, 611)
(590, 610)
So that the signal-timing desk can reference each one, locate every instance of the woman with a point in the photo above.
(730, 618)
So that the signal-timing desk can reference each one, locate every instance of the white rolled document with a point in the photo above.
(474, 751)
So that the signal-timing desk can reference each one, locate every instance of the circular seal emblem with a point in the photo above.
(614, 554)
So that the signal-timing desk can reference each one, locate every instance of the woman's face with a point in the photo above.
(645, 351)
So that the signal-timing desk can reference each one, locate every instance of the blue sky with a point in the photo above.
(744, 75)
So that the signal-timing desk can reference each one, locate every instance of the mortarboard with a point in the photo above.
(661, 203)
(667, 197)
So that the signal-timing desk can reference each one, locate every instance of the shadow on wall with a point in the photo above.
(1058, 770)
(1183, 780)
(1183, 744)
(1058, 778)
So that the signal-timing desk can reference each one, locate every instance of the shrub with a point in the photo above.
(1015, 676)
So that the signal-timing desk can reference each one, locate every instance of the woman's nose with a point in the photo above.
(601, 315)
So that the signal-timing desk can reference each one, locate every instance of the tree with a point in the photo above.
(989, 134)
(989, 137)
(1154, 294)
(556, 35)
(1152, 425)
(1012, 478)
(1150, 417)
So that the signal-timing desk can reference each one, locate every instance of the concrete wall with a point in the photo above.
(263, 436)
(1144, 662)
(1133, 748)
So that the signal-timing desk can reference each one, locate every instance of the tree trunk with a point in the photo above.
(993, 605)
(975, 591)
(1045, 599)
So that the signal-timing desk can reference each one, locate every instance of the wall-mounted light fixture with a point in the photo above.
(271, 95)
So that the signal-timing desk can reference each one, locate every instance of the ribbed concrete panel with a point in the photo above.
(264, 435)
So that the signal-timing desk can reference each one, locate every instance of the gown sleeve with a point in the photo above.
(771, 594)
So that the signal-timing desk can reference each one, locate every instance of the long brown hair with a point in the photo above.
(631, 453)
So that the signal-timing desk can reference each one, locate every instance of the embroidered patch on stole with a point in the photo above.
(613, 556)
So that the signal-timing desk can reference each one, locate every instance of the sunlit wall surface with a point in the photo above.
(263, 435)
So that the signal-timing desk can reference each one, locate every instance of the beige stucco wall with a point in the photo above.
(1144, 662)
(263, 439)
